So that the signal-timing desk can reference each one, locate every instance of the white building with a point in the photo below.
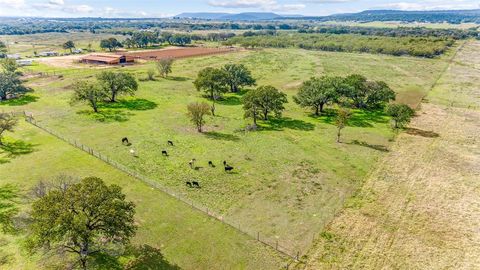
(14, 56)
(25, 62)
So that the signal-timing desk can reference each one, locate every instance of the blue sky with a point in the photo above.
(162, 8)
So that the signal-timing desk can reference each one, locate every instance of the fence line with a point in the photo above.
(276, 245)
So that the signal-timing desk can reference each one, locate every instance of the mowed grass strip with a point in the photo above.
(186, 237)
(290, 177)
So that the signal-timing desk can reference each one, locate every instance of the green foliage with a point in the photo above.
(89, 92)
(367, 94)
(11, 86)
(341, 121)
(116, 83)
(8, 206)
(421, 47)
(197, 112)
(3, 49)
(7, 123)
(9, 65)
(111, 44)
(83, 219)
(69, 45)
(212, 81)
(237, 75)
(151, 74)
(263, 100)
(164, 66)
(401, 114)
(317, 92)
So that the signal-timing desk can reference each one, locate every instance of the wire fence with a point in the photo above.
(258, 236)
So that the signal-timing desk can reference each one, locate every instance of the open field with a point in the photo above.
(420, 208)
(25, 45)
(32, 155)
(290, 177)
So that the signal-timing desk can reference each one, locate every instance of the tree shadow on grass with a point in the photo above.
(142, 257)
(138, 104)
(177, 78)
(423, 133)
(377, 147)
(13, 149)
(221, 136)
(230, 100)
(107, 115)
(359, 118)
(279, 124)
(23, 100)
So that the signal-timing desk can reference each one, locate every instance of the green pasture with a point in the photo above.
(290, 176)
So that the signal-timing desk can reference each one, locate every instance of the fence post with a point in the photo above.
(258, 236)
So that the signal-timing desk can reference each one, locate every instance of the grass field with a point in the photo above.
(419, 209)
(25, 45)
(290, 177)
(32, 155)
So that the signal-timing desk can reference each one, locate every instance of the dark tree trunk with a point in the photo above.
(213, 108)
(321, 107)
(339, 133)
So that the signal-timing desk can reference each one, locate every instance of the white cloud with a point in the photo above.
(271, 5)
(432, 5)
(12, 3)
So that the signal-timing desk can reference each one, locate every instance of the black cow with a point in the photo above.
(228, 168)
(125, 141)
(195, 184)
(224, 163)
(189, 184)
(170, 143)
(211, 164)
(164, 153)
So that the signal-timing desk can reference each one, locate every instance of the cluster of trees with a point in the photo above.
(110, 44)
(257, 103)
(352, 91)
(11, 86)
(421, 47)
(216, 81)
(108, 87)
(143, 39)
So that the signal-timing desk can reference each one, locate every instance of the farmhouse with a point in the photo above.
(107, 59)
(48, 53)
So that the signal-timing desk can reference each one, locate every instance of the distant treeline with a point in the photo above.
(398, 46)
(395, 32)
(436, 16)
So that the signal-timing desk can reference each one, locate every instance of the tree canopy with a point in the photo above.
(88, 92)
(82, 219)
(111, 44)
(7, 123)
(117, 83)
(317, 92)
(264, 100)
(164, 66)
(237, 75)
(365, 94)
(212, 81)
(401, 114)
(197, 112)
(69, 45)
(11, 86)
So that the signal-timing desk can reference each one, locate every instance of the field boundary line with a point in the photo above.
(275, 245)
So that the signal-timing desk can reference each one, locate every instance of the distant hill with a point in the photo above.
(434, 16)
(246, 16)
